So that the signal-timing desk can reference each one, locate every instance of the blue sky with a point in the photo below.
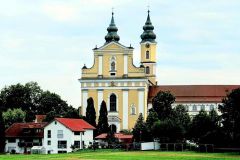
(49, 41)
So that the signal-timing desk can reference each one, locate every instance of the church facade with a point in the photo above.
(128, 89)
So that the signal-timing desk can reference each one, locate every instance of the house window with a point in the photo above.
(49, 134)
(147, 70)
(113, 103)
(211, 107)
(77, 144)
(62, 144)
(49, 143)
(62, 151)
(194, 108)
(60, 134)
(11, 140)
(76, 133)
(147, 55)
(203, 107)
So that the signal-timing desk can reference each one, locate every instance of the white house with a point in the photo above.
(21, 137)
(62, 134)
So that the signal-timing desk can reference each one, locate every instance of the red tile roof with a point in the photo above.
(25, 130)
(78, 125)
(116, 135)
(194, 93)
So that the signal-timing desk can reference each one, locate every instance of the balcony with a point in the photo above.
(29, 144)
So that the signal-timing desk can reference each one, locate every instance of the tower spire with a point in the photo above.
(148, 34)
(112, 31)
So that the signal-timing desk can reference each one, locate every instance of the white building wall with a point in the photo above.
(11, 146)
(84, 101)
(125, 109)
(68, 136)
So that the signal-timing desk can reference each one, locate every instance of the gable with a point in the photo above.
(113, 46)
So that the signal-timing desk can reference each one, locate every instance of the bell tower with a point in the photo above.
(148, 50)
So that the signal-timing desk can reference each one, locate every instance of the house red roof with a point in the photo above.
(116, 135)
(194, 93)
(78, 125)
(25, 130)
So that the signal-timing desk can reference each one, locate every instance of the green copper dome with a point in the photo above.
(112, 32)
(148, 34)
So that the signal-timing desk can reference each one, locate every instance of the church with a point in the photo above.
(128, 89)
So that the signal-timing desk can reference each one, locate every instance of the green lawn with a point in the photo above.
(133, 155)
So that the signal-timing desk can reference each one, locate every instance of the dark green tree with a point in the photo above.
(20, 96)
(151, 119)
(140, 132)
(162, 104)
(200, 126)
(103, 126)
(230, 110)
(2, 130)
(181, 117)
(53, 106)
(167, 131)
(90, 112)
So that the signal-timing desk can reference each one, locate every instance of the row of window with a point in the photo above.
(202, 107)
(60, 133)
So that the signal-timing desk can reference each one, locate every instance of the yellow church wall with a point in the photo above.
(132, 99)
(119, 65)
(91, 72)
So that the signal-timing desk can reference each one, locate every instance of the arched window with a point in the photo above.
(147, 70)
(113, 103)
(113, 128)
(147, 55)
(113, 66)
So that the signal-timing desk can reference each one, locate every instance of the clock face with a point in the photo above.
(147, 45)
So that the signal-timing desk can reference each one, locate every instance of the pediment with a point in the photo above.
(113, 46)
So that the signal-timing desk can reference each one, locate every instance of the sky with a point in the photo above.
(48, 41)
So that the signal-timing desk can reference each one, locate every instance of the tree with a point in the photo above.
(181, 117)
(53, 106)
(151, 119)
(12, 116)
(20, 96)
(168, 131)
(162, 104)
(231, 116)
(90, 112)
(2, 132)
(140, 132)
(103, 126)
(200, 126)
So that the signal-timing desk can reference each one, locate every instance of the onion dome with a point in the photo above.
(112, 32)
(148, 34)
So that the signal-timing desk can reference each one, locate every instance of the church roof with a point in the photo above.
(148, 34)
(112, 32)
(194, 93)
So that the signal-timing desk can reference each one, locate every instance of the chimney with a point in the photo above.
(39, 118)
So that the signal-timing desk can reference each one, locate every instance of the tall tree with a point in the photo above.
(103, 126)
(90, 112)
(140, 132)
(162, 104)
(168, 130)
(181, 116)
(2, 130)
(12, 116)
(151, 119)
(231, 116)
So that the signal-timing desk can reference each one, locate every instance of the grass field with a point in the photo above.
(133, 155)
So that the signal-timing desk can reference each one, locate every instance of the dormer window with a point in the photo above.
(147, 55)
